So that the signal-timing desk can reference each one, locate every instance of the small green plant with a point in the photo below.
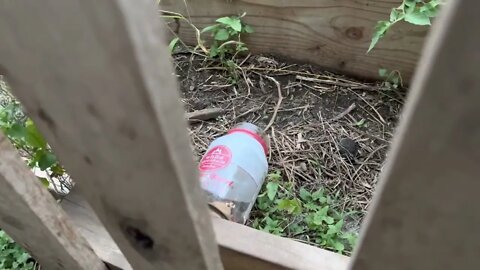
(12, 256)
(227, 43)
(303, 214)
(226, 36)
(361, 123)
(226, 40)
(391, 79)
(25, 136)
(418, 12)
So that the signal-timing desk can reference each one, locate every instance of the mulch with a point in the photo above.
(325, 130)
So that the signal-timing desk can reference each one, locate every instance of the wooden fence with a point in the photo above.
(95, 77)
(334, 34)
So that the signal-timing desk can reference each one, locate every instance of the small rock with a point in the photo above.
(348, 149)
(303, 166)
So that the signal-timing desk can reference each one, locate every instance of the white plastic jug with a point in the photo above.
(232, 171)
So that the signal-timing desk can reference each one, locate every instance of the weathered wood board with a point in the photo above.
(334, 34)
(241, 247)
(96, 78)
(425, 214)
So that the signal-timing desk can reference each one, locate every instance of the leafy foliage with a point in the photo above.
(226, 36)
(25, 136)
(392, 79)
(418, 12)
(301, 214)
(227, 43)
(12, 256)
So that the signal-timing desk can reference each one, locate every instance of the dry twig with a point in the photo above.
(279, 102)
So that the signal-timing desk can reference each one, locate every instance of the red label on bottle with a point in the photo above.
(217, 158)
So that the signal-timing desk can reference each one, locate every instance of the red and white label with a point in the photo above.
(217, 158)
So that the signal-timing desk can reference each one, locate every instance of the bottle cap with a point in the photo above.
(253, 131)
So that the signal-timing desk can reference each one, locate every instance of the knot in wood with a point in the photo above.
(354, 33)
(139, 238)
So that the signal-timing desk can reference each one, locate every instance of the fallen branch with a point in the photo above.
(205, 114)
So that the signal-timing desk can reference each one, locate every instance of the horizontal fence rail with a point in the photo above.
(331, 33)
(241, 247)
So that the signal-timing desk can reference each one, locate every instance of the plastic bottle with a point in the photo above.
(233, 170)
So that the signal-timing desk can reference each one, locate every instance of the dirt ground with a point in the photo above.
(325, 130)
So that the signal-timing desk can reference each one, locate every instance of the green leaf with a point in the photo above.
(17, 131)
(430, 9)
(272, 189)
(275, 176)
(380, 29)
(360, 123)
(374, 42)
(418, 18)
(410, 5)
(213, 51)
(329, 220)
(46, 160)
(350, 237)
(323, 211)
(44, 181)
(33, 136)
(248, 29)
(209, 28)
(236, 25)
(312, 206)
(57, 170)
(224, 20)
(322, 215)
(339, 225)
(291, 206)
(395, 15)
(338, 246)
(221, 34)
(172, 44)
(232, 22)
(304, 194)
(296, 229)
(332, 230)
(318, 195)
(318, 219)
(383, 72)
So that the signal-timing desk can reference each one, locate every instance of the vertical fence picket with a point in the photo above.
(96, 77)
(426, 213)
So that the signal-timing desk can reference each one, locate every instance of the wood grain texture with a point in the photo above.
(244, 248)
(88, 224)
(425, 215)
(30, 215)
(334, 34)
(241, 247)
(97, 79)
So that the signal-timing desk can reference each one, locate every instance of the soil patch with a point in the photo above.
(327, 131)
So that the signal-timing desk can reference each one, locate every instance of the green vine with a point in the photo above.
(418, 12)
